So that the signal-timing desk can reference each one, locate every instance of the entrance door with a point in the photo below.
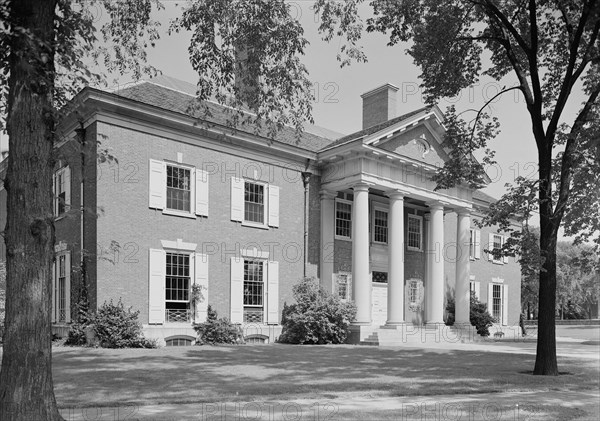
(414, 300)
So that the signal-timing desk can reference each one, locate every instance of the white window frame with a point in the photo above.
(56, 287)
(337, 236)
(338, 277)
(265, 286)
(501, 304)
(379, 208)
(472, 240)
(495, 260)
(192, 212)
(63, 173)
(191, 273)
(420, 219)
(265, 187)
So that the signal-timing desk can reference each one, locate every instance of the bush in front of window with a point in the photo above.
(218, 330)
(317, 317)
(479, 316)
(113, 325)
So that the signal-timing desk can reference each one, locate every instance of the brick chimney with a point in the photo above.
(379, 105)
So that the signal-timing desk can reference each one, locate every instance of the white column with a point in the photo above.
(395, 297)
(436, 265)
(327, 239)
(463, 267)
(361, 284)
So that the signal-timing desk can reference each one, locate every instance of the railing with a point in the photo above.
(178, 315)
(252, 315)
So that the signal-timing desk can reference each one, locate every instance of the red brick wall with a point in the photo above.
(127, 219)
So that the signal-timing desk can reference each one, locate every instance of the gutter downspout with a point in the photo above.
(306, 180)
(81, 134)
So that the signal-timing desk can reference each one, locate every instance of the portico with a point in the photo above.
(382, 182)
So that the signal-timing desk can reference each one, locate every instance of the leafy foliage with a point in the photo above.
(218, 330)
(478, 315)
(317, 317)
(117, 327)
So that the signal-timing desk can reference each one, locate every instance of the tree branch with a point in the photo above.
(488, 103)
(533, 60)
(567, 158)
(505, 22)
(569, 80)
(566, 19)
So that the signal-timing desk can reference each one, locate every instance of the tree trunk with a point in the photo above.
(545, 360)
(26, 388)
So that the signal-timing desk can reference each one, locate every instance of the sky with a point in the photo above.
(338, 105)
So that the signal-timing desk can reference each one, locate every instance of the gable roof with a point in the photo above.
(376, 128)
(179, 96)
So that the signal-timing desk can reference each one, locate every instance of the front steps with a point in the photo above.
(409, 334)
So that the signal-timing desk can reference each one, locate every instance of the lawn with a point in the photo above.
(104, 377)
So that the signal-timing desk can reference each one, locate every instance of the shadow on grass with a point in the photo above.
(85, 377)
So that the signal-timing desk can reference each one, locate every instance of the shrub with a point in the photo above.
(217, 331)
(478, 316)
(318, 317)
(77, 334)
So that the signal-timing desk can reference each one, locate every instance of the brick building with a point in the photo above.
(152, 199)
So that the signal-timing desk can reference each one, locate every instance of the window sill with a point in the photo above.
(378, 243)
(59, 217)
(497, 262)
(343, 238)
(254, 225)
(176, 213)
(413, 249)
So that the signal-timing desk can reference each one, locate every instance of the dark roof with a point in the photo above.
(376, 128)
(174, 97)
(484, 197)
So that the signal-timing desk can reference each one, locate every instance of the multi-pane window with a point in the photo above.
(177, 288)
(342, 284)
(415, 232)
(380, 226)
(497, 302)
(254, 202)
(253, 291)
(60, 192)
(179, 188)
(379, 277)
(413, 292)
(61, 293)
(472, 244)
(343, 219)
(61, 188)
(497, 246)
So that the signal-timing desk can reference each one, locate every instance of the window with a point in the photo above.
(253, 291)
(497, 302)
(472, 244)
(343, 287)
(61, 288)
(413, 292)
(415, 232)
(254, 202)
(177, 288)
(178, 341)
(380, 226)
(380, 277)
(62, 191)
(497, 245)
(179, 188)
(343, 219)
(474, 287)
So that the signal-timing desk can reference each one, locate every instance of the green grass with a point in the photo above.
(104, 377)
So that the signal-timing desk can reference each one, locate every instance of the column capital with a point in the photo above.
(463, 211)
(396, 194)
(361, 187)
(435, 205)
(327, 194)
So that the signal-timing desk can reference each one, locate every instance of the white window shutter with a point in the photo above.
(201, 193)
(237, 290)
(156, 286)
(504, 258)
(201, 279)
(477, 244)
(491, 246)
(505, 305)
(274, 206)
(157, 184)
(54, 291)
(273, 293)
(478, 290)
(491, 299)
(68, 287)
(237, 199)
(55, 195)
(67, 178)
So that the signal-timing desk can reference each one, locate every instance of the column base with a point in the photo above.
(359, 332)
(390, 324)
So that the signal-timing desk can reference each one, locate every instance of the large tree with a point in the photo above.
(48, 51)
(547, 47)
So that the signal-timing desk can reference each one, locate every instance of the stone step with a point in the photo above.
(411, 334)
